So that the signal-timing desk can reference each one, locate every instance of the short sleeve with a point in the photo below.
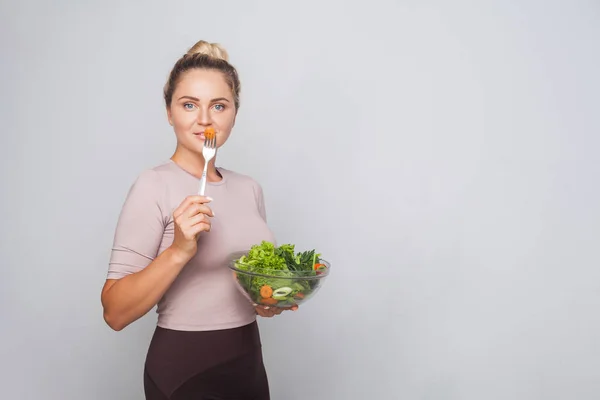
(260, 200)
(140, 226)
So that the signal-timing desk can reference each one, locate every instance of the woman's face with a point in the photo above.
(201, 99)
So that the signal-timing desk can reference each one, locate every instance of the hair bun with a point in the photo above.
(214, 50)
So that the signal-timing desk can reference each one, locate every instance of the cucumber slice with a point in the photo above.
(282, 293)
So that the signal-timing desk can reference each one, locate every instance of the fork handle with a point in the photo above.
(203, 180)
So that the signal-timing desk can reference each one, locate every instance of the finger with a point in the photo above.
(195, 209)
(194, 215)
(195, 220)
(262, 312)
(188, 201)
(265, 311)
(201, 227)
(262, 307)
(192, 210)
(184, 204)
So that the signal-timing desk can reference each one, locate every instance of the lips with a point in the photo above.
(200, 134)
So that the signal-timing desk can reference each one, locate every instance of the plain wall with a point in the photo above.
(442, 155)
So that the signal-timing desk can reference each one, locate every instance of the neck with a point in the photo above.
(194, 164)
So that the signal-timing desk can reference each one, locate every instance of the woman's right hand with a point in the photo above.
(190, 219)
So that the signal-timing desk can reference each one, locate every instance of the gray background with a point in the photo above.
(442, 155)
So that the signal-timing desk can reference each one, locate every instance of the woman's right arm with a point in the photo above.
(129, 298)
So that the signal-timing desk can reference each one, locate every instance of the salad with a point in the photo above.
(279, 276)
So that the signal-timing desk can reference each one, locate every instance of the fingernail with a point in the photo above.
(209, 198)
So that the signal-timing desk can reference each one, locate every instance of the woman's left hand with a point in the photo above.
(268, 312)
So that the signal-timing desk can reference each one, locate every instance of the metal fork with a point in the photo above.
(208, 152)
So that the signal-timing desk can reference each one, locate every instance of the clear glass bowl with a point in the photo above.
(279, 288)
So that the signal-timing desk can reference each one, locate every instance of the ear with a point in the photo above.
(169, 116)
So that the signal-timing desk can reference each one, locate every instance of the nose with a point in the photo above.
(203, 117)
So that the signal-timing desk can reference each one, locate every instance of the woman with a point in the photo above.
(171, 248)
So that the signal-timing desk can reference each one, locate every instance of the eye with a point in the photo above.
(219, 107)
(188, 106)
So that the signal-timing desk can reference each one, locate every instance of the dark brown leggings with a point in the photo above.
(209, 365)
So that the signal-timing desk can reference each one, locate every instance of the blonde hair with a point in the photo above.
(204, 55)
(212, 49)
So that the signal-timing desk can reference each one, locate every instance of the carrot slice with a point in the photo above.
(209, 133)
(266, 291)
(268, 300)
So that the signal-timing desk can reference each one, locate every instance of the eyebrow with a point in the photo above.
(197, 99)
